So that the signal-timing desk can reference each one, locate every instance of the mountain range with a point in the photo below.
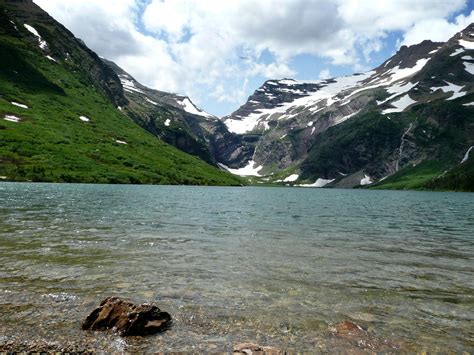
(69, 115)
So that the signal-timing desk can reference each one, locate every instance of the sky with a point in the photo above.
(218, 52)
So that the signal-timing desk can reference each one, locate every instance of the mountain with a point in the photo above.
(60, 117)
(405, 124)
(176, 120)
(68, 115)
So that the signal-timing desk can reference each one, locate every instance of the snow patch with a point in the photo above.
(345, 118)
(469, 104)
(467, 57)
(248, 170)
(310, 124)
(84, 118)
(398, 74)
(318, 183)
(400, 105)
(120, 142)
(450, 87)
(291, 178)
(287, 82)
(14, 25)
(365, 180)
(42, 44)
(51, 58)
(466, 44)
(466, 156)
(12, 118)
(150, 101)
(188, 106)
(129, 85)
(397, 90)
(456, 52)
(19, 105)
(245, 125)
(167, 122)
(469, 67)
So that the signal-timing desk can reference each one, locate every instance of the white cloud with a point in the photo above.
(325, 74)
(439, 29)
(206, 49)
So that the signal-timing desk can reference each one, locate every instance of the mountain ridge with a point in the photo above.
(410, 119)
(293, 118)
(59, 120)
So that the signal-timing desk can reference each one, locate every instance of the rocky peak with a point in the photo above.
(466, 34)
(406, 57)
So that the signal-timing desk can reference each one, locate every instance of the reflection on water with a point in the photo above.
(275, 266)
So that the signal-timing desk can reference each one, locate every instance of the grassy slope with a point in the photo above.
(431, 175)
(412, 177)
(455, 125)
(460, 178)
(51, 143)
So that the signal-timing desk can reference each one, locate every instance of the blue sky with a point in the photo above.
(219, 52)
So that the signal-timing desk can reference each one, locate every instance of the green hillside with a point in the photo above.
(51, 143)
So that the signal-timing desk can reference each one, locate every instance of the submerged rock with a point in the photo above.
(127, 318)
(358, 337)
(251, 348)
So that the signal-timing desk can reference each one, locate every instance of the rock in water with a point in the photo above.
(251, 348)
(127, 318)
(357, 336)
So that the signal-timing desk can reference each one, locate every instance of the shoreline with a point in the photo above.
(345, 337)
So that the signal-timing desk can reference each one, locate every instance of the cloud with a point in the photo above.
(325, 74)
(209, 48)
(440, 30)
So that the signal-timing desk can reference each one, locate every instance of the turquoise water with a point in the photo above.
(277, 266)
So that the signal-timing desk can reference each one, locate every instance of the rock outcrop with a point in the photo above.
(127, 318)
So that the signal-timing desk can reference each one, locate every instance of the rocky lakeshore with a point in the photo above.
(123, 323)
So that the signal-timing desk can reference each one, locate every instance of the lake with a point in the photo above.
(276, 266)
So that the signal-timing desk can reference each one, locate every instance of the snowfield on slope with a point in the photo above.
(42, 43)
(247, 170)
(331, 91)
(318, 183)
(129, 85)
(450, 87)
(189, 107)
(400, 105)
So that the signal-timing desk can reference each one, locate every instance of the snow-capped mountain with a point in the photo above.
(407, 124)
(302, 128)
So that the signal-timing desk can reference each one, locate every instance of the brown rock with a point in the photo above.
(357, 336)
(348, 328)
(127, 318)
(251, 348)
